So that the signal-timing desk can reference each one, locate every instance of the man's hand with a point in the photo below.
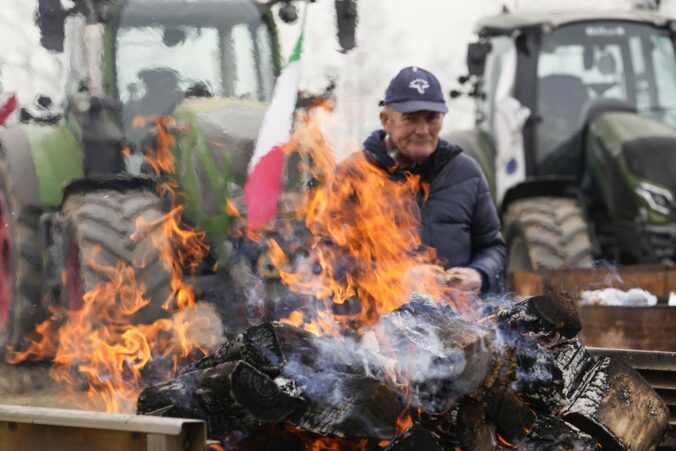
(419, 277)
(465, 279)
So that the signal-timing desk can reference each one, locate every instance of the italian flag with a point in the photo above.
(264, 181)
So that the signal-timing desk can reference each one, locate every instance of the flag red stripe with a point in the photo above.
(7, 109)
(263, 187)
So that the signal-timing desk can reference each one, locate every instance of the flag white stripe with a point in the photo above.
(278, 119)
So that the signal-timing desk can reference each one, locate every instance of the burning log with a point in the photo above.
(457, 355)
(526, 383)
(347, 404)
(555, 313)
(231, 396)
(618, 407)
(368, 409)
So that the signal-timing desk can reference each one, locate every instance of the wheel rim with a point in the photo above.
(6, 267)
(74, 285)
(518, 258)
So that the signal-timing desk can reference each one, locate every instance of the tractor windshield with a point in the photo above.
(587, 65)
(166, 51)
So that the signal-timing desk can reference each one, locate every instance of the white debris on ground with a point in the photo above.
(672, 299)
(635, 297)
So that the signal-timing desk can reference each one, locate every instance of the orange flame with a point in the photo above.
(504, 441)
(231, 209)
(333, 444)
(404, 421)
(100, 345)
(368, 245)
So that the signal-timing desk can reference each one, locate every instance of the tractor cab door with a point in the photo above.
(505, 116)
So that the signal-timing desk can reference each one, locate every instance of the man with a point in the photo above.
(458, 217)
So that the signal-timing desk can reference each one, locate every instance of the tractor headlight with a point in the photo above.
(659, 199)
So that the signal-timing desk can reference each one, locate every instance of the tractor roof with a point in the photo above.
(193, 12)
(505, 24)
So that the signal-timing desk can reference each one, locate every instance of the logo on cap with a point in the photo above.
(420, 85)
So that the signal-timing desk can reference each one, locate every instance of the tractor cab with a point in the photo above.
(208, 49)
(580, 106)
(132, 62)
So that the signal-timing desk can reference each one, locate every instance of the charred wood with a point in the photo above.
(618, 407)
(362, 407)
(459, 354)
(546, 315)
(513, 417)
(413, 439)
(260, 346)
(232, 396)
(550, 432)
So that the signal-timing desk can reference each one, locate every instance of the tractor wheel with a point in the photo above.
(98, 235)
(21, 307)
(547, 232)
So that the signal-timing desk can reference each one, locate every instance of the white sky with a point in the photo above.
(391, 34)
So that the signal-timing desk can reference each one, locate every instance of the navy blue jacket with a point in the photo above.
(458, 218)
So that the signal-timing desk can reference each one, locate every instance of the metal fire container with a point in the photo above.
(38, 428)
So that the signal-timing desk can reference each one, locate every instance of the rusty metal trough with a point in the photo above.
(618, 327)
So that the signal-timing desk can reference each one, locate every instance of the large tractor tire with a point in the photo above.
(546, 233)
(21, 306)
(99, 234)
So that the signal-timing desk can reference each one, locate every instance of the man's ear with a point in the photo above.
(384, 120)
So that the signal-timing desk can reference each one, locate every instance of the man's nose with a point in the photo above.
(422, 128)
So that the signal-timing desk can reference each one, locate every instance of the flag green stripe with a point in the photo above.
(295, 56)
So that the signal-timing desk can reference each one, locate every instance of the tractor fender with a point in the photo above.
(42, 160)
(119, 182)
(539, 187)
(15, 150)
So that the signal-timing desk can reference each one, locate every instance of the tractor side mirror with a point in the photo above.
(346, 16)
(476, 57)
(288, 12)
(50, 18)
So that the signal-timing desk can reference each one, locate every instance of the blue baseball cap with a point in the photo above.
(415, 89)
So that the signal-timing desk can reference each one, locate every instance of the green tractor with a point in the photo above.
(73, 186)
(576, 132)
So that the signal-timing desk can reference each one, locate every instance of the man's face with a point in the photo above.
(416, 134)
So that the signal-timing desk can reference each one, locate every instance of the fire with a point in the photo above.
(504, 442)
(367, 251)
(404, 422)
(102, 346)
(333, 444)
(231, 209)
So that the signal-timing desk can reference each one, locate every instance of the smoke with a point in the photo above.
(409, 349)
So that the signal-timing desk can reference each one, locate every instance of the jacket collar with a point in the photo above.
(377, 153)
